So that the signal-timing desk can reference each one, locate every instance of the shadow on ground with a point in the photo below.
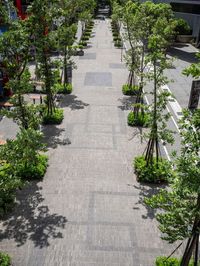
(189, 57)
(31, 220)
(126, 103)
(146, 191)
(72, 102)
(54, 136)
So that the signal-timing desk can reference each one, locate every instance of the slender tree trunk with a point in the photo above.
(196, 251)
(50, 101)
(65, 80)
(22, 111)
(153, 141)
(139, 98)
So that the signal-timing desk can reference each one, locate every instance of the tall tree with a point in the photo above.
(180, 218)
(14, 49)
(41, 19)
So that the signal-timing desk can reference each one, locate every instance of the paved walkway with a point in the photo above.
(88, 210)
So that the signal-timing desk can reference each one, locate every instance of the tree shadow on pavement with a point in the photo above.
(146, 191)
(54, 136)
(72, 102)
(31, 220)
(189, 57)
(126, 103)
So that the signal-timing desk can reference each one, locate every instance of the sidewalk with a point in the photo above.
(88, 210)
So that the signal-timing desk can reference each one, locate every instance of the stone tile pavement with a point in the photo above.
(88, 210)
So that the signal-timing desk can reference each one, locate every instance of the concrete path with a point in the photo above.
(88, 210)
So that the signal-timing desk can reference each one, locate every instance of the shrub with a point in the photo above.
(116, 39)
(55, 118)
(163, 261)
(115, 34)
(23, 154)
(141, 120)
(83, 43)
(85, 38)
(34, 170)
(5, 259)
(130, 90)
(9, 183)
(59, 88)
(118, 43)
(87, 33)
(155, 172)
(182, 27)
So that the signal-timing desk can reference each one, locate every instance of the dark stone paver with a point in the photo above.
(88, 56)
(98, 79)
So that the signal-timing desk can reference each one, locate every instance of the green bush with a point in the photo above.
(59, 88)
(155, 172)
(55, 118)
(118, 43)
(9, 183)
(34, 170)
(85, 38)
(141, 120)
(182, 27)
(163, 261)
(5, 259)
(83, 43)
(87, 34)
(130, 90)
(115, 34)
(116, 39)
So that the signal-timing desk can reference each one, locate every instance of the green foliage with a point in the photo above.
(156, 172)
(182, 27)
(118, 43)
(5, 259)
(55, 118)
(130, 90)
(193, 69)
(9, 183)
(23, 154)
(60, 88)
(163, 261)
(115, 34)
(116, 39)
(83, 43)
(179, 204)
(34, 170)
(141, 120)
(85, 38)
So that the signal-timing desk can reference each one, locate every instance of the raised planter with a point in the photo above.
(184, 38)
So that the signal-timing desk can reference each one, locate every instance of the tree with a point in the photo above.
(14, 49)
(41, 19)
(127, 16)
(66, 35)
(23, 154)
(160, 28)
(180, 204)
(159, 39)
(159, 117)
